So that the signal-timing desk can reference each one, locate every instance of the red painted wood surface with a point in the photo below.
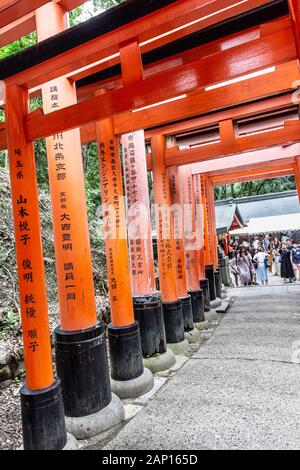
(294, 6)
(258, 44)
(139, 227)
(289, 134)
(118, 267)
(253, 177)
(19, 11)
(206, 221)
(164, 225)
(199, 226)
(271, 156)
(190, 236)
(29, 251)
(201, 102)
(212, 221)
(69, 213)
(88, 133)
(159, 24)
(161, 87)
(175, 190)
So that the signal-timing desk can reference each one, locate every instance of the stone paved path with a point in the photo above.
(241, 390)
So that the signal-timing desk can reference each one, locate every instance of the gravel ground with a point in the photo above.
(10, 418)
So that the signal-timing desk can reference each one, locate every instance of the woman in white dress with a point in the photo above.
(261, 257)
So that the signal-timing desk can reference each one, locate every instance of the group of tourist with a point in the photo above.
(251, 262)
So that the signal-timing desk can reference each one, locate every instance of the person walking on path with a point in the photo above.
(296, 259)
(255, 243)
(266, 242)
(286, 270)
(244, 264)
(276, 257)
(252, 252)
(261, 257)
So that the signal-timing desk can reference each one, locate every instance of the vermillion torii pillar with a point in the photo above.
(208, 253)
(146, 299)
(191, 245)
(178, 230)
(294, 7)
(187, 301)
(41, 400)
(200, 227)
(166, 250)
(214, 238)
(297, 176)
(129, 378)
(81, 354)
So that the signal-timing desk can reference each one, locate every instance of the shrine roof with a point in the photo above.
(226, 215)
(265, 205)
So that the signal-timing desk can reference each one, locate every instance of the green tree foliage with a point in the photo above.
(254, 188)
(18, 45)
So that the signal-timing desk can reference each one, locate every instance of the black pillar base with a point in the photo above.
(173, 321)
(205, 289)
(210, 275)
(125, 352)
(148, 312)
(197, 305)
(43, 418)
(218, 283)
(82, 365)
(187, 313)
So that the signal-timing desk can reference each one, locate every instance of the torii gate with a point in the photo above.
(118, 94)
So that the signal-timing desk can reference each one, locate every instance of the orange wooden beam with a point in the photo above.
(131, 63)
(274, 41)
(251, 168)
(271, 157)
(227, 134)
(244, 179)
(237, 112)
(252, 175)
(289, 134)
(11, 11)
(26, 24)
(88, 132)
(17, 29)
(202, 102)
(165, 85)
(161, 27)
